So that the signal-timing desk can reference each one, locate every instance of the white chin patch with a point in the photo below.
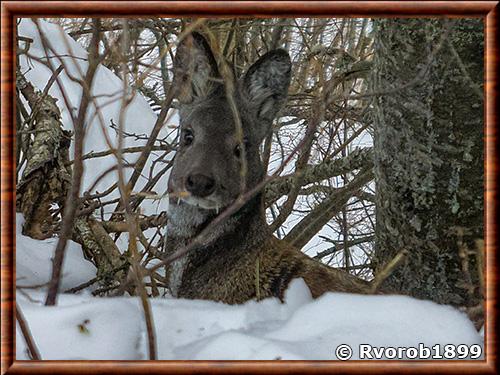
(202, 203)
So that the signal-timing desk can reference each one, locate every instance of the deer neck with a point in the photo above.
(246, 226)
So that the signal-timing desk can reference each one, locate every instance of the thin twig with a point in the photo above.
(387, 270)
(72, 198)
(133, 226)
(28, 338)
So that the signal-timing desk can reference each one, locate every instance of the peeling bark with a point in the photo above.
(100, 249)
(46, 177)
(428, 155)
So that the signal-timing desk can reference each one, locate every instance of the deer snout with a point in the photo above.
(200, 185)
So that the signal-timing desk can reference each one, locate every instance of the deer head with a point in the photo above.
(214, 150)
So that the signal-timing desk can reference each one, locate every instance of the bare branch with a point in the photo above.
(321, 214)
(28, 338)
(70, 206)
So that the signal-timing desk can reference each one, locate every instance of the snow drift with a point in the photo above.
(84, 327)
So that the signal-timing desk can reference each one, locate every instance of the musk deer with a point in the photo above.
(240, 260)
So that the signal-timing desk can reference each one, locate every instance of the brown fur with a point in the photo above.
(226, 269)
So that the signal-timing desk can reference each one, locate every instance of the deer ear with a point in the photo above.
(195, 69)
(266, 84)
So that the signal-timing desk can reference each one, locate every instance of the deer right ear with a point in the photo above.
(266, 86)
(195, 69)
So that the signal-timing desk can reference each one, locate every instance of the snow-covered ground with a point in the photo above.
(86, 327)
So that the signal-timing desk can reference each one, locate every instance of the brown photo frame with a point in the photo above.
(488, 10)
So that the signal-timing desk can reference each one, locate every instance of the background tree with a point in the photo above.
(428, 155)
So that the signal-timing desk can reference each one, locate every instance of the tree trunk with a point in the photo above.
(428, 155)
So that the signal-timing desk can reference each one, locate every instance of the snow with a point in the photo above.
(34, 261)
(89, 328)
(107, 91)
(85, 327)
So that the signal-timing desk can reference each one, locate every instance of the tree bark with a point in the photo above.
(428, 156)
(46, 177)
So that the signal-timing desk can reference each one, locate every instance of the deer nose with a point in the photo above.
(200, 185)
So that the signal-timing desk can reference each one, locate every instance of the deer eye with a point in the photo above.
(187, 137)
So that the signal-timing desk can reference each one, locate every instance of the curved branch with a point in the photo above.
(323, 212)
(357, 159)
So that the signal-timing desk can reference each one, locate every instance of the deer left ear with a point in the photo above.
(266, 84)
(195, 69)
